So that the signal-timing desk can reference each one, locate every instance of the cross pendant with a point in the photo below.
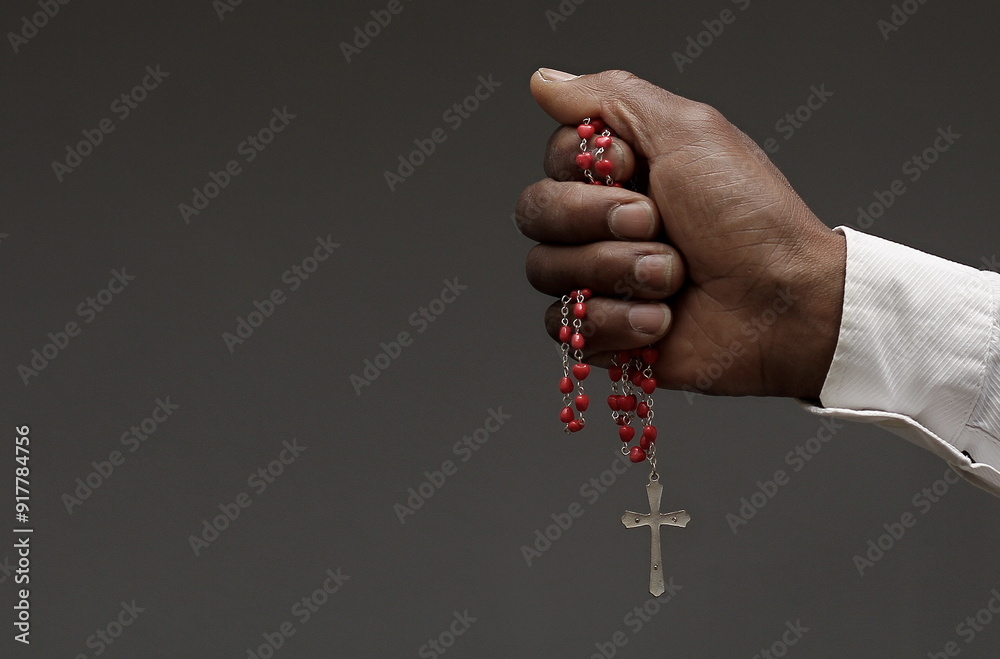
(654, 520)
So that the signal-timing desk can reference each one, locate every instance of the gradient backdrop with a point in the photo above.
(302, 488)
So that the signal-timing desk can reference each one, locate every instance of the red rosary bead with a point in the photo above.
(581, 371)
(577, 341)
(603, 167)
(564, 332)
(648, 385)
(649, 355)
(579, 310)
(575, 425)
(649, 432)
(615, 373)
(612, 402)
(642, 409)
(626, 433)
(628, 403)
(644, 443)
(566, 385)
(637, 454)
(566, 415)
(585, 131)
(582, 402)
(585, 160)
(603, 141)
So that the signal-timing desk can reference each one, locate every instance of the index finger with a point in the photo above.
(576, 213)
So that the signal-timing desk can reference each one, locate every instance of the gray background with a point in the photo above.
(324, 176)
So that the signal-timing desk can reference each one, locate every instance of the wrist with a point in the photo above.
(808, 340)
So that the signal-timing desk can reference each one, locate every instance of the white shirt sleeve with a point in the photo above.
(918, 354)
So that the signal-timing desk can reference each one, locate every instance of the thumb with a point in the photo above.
(637, 111)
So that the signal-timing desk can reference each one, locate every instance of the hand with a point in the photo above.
(723, 267)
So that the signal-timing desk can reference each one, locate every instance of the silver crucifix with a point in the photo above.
(654, 520)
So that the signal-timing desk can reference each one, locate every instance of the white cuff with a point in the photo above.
(917, 354)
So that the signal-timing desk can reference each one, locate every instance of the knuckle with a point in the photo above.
(534, 266)
(558, 161)
(605, 262)
(575, 199)
(527, 210)
(618, 77)
(702, 116)
(631, 91)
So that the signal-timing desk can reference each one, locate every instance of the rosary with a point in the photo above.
(631, 373)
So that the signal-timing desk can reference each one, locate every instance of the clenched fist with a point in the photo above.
(720, 265)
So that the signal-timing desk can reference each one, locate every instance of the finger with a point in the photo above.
(639, 112)
(564, 146)
(575, 213)
(649, 271)
(612, 325)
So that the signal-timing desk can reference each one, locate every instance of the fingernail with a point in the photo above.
(633, 220)
(654, 271)
(649, 318)
(551, 75)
